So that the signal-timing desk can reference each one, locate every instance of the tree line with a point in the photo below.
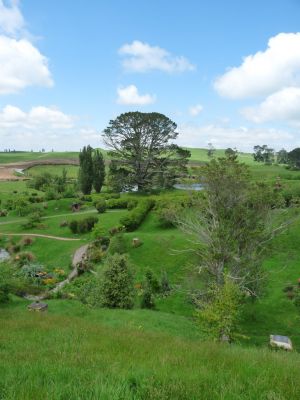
(91, 170)
(267, 155)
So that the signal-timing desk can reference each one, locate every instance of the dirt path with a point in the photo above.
(18, 221)
(77, 258)
(7, 171)
(42, 236)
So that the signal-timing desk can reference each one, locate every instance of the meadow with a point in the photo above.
(74, 351)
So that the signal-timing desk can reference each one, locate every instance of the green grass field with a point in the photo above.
(72, 170)
(75, 352)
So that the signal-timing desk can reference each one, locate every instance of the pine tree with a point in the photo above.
(85, 176)
(98, 171)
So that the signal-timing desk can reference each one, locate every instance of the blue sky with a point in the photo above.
(226, 72)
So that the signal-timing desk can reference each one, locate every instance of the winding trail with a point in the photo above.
(42, 236)
(7, 171)
(77, 258)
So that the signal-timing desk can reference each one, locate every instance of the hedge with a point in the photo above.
(136, 216)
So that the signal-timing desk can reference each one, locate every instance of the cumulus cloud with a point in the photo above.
(21, 65)
(244, 138)
(141, 57)
(129, 95)
(283, 105)
(46, 127)
(195, 110)
(11, 18)
(37, 118)
(266, 71)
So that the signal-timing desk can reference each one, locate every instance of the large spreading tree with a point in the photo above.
(142, 150)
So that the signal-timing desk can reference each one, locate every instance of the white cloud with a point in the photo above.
(129, 95)
(266, 71)
(21, 65)
(37, 118)
(244, 138)
(141, 57)
(283, 105)
(11, 18)
(195, 110)
(44, 127)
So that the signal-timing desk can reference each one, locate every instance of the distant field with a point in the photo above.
(72, 170)
(29, 156)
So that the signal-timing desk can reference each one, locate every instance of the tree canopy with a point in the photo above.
(142, 150)
(263, 154)
(294, 157)
(231, 224)
(98, 171)
(85, 176)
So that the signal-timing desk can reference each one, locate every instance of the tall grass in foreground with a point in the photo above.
(47, 356)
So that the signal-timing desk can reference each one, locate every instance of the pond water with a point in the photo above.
(185, 186)
(19, 171)
(181, 186)
(4, 255)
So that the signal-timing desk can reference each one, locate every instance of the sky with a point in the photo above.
(228, 73)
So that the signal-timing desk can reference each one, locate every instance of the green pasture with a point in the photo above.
(72, 352)
(72, 170)
(75, 352)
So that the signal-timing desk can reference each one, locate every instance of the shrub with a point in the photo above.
(117, 283)
(152, 282)
(165, 284)
(51, 195)
(69, 193)
(13, 248)
(100, 206)
(136, 216)
(86, 198)
(115, 230)
(95, 254)
(82, 226)
(219, 316)
(33, 271)
(35, 199)
(24, 258)
(63, 224)
(3, 213)
(166, 212)
(33, 220)
(102, 242)
(73, 225)
(147, 300)
(117, 203)
(5, 283)
(117, 244)
(131, 204)
(86, 289)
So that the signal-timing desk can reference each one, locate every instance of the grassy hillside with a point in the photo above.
(76, 353)
(29, 156)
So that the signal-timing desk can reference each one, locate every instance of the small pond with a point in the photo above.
(4, 255)
(186, 186)
(19, 171)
